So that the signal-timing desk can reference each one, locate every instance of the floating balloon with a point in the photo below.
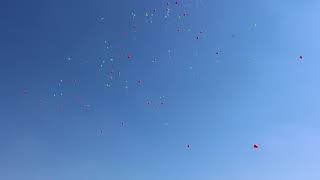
(129, 56)
(188, 146)
(25, 92)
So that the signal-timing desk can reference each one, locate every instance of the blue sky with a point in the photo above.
(73, 108)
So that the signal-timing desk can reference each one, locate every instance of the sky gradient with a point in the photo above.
(106, 89)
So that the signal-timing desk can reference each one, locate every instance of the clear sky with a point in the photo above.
(141, 90)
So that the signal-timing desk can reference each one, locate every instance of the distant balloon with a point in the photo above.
(123, 124)
(25, 92)
(188, 146)
(255, 146)
(129, 56)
